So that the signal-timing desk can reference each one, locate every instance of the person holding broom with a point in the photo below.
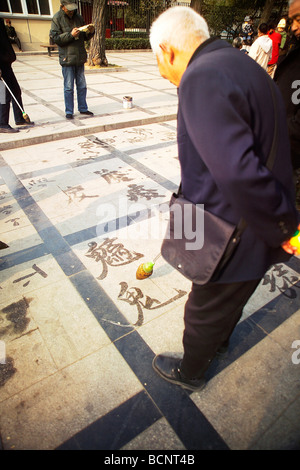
(224, 139)
(7, 57)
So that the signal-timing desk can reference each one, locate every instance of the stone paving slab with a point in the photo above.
(80, 331)
(154, 99)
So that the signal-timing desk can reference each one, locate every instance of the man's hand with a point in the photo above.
(292, 246)
(91, 28)
(75, 32)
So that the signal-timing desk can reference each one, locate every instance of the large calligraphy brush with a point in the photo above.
(25, 115)
(146, 269)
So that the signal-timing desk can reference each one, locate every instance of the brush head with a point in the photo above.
(26, 117)
(144, 270)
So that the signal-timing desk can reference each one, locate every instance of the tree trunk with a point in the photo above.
(97, 47)
(197, 5)
(265, 17)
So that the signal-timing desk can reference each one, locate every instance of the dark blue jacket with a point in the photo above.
(287, 77)
(225, 132)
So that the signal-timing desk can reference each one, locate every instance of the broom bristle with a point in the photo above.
(26, 117)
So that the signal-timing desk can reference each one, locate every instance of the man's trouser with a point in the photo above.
(211, 314)
(9, 77)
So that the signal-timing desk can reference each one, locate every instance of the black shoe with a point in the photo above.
(3, 245)
(8, 130)
(88, 113)
(69, 116)
(168, 367)
(25, 124)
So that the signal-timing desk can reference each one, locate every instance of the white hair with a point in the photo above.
(178, 26)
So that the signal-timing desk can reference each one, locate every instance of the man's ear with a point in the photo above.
(168, 52)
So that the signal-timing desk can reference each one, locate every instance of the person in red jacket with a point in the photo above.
(276, 40)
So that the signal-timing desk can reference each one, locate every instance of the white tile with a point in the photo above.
(54, 409)
(18, 282)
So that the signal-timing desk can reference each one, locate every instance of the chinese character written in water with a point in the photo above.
(113, 176)
(278, 279)
(139, 135)
(110, 253)
(134, 296)
(6, 209)
(76, 192)
(135, 191)
(14, 221)
(37, 271)
(87, 146)
(39, 183)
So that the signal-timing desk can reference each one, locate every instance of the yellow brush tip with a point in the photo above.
(144, 270)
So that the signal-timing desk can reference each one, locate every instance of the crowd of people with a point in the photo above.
(277, 50)
(268, 46)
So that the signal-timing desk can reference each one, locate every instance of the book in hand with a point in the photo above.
(85, 28)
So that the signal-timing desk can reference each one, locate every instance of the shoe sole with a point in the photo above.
(177, 382)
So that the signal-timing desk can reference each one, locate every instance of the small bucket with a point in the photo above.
(127, 102)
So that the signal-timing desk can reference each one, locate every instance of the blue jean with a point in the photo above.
(71, 74)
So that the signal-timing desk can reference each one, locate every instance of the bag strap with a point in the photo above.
(271, 158)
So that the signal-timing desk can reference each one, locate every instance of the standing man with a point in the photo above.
(72, 54)
(7, 57)
(287, 77)
(224, 139)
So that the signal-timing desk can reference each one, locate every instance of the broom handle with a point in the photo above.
(12, 94)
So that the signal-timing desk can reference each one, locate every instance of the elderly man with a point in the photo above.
(287, 77)
(72, 54)
(224, 138)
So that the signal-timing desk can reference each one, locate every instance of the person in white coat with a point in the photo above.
(261, 49)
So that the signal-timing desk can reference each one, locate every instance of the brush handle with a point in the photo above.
(12, 94)
(156, 258)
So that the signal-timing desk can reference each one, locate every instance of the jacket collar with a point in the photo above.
(209, 45)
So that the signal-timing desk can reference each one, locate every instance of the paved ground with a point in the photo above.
(82, 204)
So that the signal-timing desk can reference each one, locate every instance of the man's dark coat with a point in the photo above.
(225, 132)
(7, 54)
(71, 51)
(287, 77)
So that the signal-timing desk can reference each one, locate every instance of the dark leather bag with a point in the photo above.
(199, 244)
